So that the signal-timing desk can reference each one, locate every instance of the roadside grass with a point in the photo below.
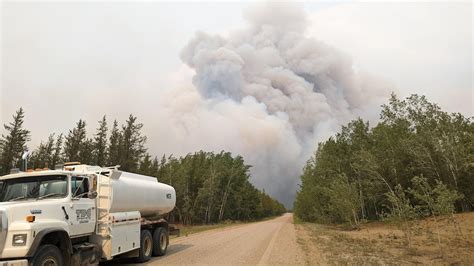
(380, 243)
(193, 229)
(304, 246)
(297, 220)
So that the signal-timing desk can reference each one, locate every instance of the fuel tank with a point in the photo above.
(134, 192)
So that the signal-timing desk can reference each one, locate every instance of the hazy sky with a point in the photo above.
(65, 61)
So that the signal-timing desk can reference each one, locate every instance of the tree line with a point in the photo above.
(210, 187)
(214, 187)
(417, 161)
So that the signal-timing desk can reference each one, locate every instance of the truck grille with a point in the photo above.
(3, 229)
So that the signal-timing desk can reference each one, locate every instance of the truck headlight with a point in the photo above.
(19, 240)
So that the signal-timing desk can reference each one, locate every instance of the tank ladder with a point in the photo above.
(103, 206)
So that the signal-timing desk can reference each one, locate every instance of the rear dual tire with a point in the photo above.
(155, 245)
(160, 241)
(146, 246)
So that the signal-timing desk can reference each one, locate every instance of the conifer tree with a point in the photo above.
(42, 156)
(100, 143)
(113, 150)
(13, 144)
(145, 167)
(56, 157)
(74, 142)
(132, 147)
(86, 151)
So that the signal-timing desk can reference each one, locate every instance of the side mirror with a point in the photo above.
(92, 194)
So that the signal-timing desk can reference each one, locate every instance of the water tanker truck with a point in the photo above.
(81, 215)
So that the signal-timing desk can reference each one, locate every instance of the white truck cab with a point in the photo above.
(79, 216)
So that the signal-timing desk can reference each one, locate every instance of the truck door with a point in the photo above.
(83, 213)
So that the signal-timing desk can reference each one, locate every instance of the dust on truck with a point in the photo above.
(81, 215)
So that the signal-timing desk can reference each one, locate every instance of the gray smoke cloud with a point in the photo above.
(269, 93)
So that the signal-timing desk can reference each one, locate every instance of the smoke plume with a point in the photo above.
(266, 92)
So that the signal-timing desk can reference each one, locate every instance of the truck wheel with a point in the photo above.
(146, 246)
(48, 255)
(160, 241)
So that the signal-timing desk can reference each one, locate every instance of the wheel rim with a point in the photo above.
(163, 241)
(50, 261)
(147, 245)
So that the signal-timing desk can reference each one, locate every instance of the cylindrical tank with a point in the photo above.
(133, 192)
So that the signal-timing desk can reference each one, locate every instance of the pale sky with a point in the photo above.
(65, 61)
(82, 54)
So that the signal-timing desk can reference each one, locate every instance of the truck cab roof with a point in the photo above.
(66, 170)
(35, 173)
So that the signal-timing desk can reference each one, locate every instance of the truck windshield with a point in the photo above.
(33, 187)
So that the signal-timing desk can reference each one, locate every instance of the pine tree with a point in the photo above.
(74, 141)
(13, 144)
(113, 150)
(100, 143)
(48, 153)
(155, 165)
(56, 157)
(42, 156)
(86, 152)
(133, 144)
(145, 167)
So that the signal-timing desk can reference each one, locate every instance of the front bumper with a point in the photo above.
(22, 262)
(9, 254)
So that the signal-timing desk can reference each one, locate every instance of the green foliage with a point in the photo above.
(147, 166)
(126, 146)
(13, 143)
(401, 211)
(113, 149)
(434, 201)
(210, 187)
(100, 143)
(427, 201)
(48, 154)
(400, 207)
(413, 138)
(437, 200)
(344, 200)
(213, 187)
(86, 151)
(132, 146)
(56, 157)
(74, 142)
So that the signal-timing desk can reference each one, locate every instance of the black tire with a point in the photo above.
(48, 255)
(146, 246)
(160, 241)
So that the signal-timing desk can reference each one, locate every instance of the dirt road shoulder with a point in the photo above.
(379, 243)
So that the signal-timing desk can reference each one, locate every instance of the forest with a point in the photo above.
(210, 187)
(417, 161)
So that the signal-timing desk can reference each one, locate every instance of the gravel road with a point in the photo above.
(271, 242)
